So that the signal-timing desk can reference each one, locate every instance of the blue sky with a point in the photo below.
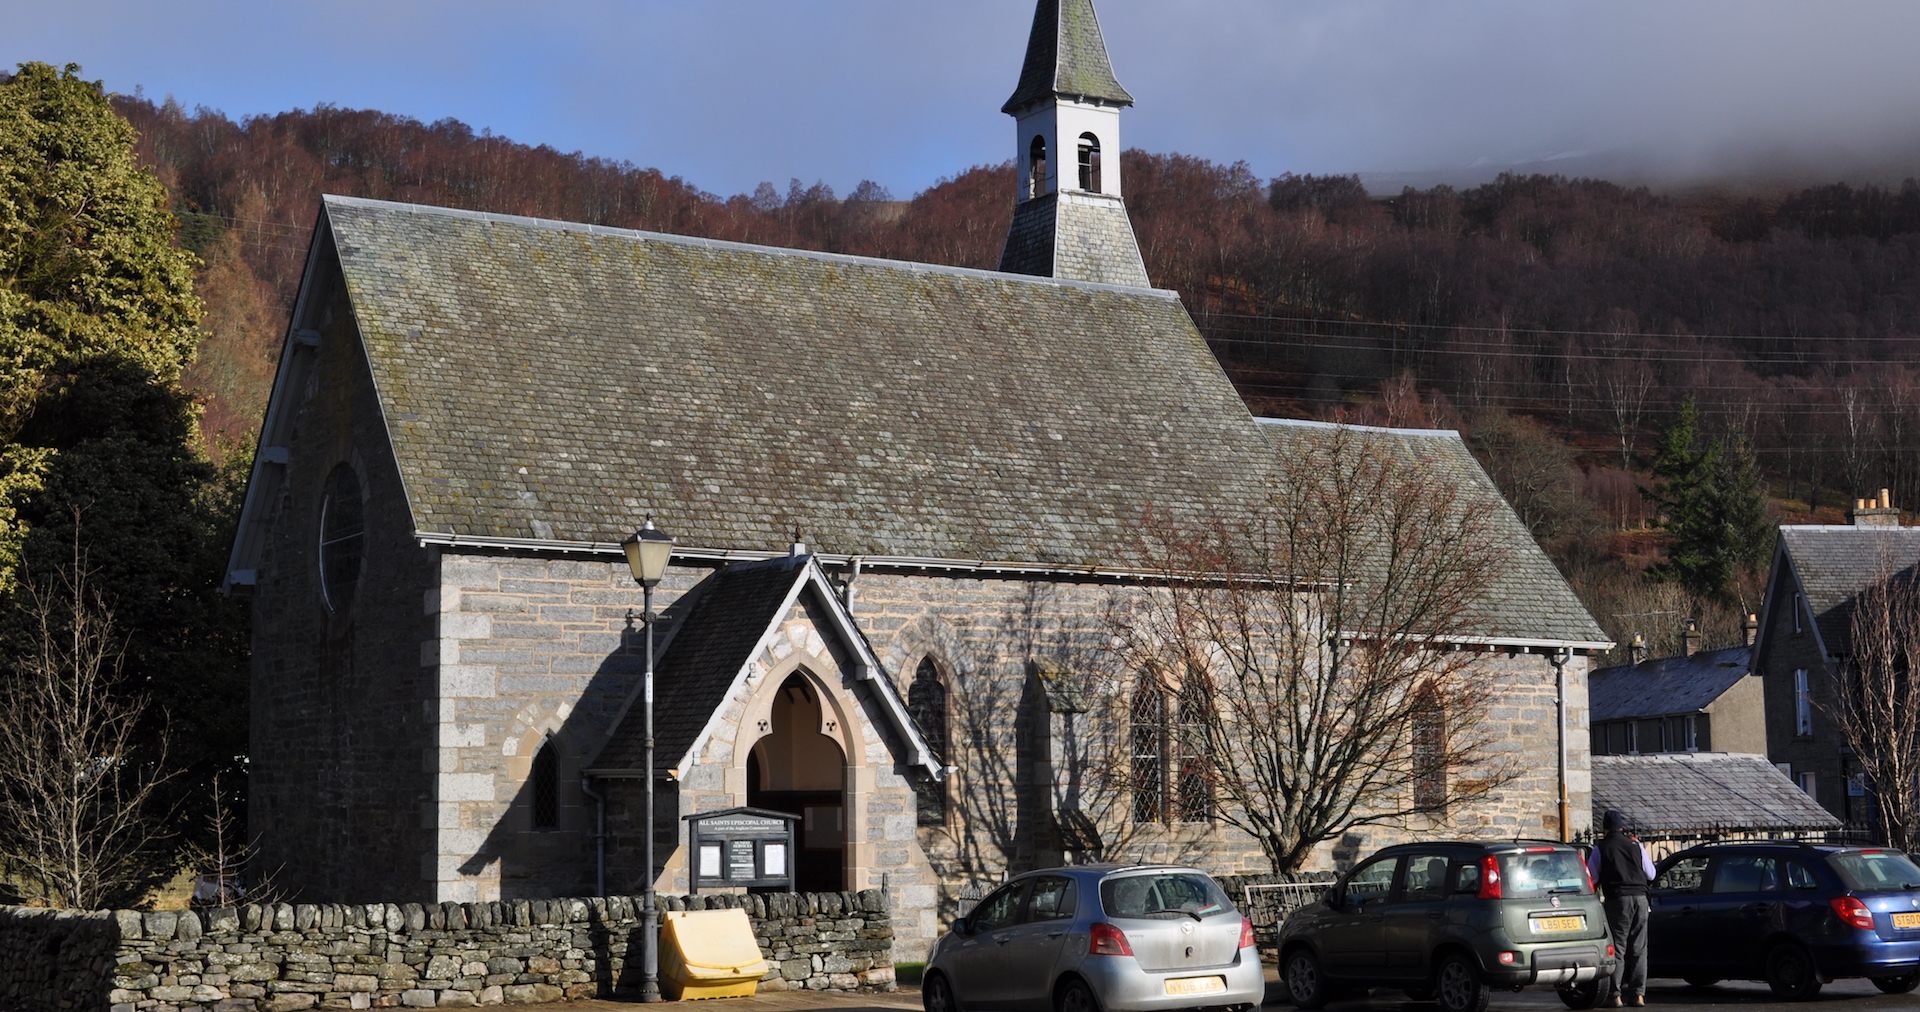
(727, 93)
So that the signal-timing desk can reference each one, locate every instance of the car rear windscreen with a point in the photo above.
(1540, 873)
(1873, 870)
(1172, 894)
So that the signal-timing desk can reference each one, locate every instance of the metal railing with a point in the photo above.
(1267, 906)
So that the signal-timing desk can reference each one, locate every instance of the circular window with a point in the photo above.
(342, 526)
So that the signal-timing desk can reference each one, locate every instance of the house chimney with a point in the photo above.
(1637, 650)
(1876, 512)
(1690, 640)
(1751, 629)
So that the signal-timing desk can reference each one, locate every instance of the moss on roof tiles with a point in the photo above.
(883, 408)
(1066, 55)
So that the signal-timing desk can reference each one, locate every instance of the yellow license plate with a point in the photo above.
(1574, 923)
(1906, 920)
(1196, 985)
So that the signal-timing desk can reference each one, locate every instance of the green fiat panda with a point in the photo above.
(1450, 922)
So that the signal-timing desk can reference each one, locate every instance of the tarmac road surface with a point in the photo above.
(1666, 995)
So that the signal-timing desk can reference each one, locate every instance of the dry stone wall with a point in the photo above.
(289, 958)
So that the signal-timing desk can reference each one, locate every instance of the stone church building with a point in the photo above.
(904, 497)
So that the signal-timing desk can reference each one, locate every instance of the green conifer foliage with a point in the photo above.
(1713, 507)
(99, 445)
(89, 273)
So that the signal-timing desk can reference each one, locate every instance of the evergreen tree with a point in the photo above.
(1712, 507)
(89, 272)
(99, 445)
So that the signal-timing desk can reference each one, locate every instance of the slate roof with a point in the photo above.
(716, 638)
(1834, 562)
(1066, 55)
(1678, 791)
(585, 377)
(559, 382)
(1528, 599)
(1665, 685)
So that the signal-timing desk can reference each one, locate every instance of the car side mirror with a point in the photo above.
(1331, 897)
(960, 925)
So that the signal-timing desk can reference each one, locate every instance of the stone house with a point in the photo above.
(1703, 701)
(905, 499)
(1806, 637)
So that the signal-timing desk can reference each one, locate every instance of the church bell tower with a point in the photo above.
(1071, 221)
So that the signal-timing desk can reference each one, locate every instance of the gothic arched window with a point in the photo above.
(1090, 163)
(927, 704)
(1193, 738)
(1037, 166)
(1149, 740)
(1429, 750)
(545, 782)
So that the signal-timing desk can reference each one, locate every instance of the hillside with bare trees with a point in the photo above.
(1559, 323)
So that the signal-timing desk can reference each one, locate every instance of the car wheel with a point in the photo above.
(1896, 985)
(1701, 981)
(936, 995)
(1587, 994)
(1306, 985)
(1791, 974)
(1076, 996)
(1459, 987)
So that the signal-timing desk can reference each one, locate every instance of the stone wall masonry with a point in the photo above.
(289, 958)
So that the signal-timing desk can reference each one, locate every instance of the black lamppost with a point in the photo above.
(647, 554)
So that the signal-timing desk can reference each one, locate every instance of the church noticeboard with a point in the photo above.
(737, 847)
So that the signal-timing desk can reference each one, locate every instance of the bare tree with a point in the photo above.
(1313, 652)
(1622, 383)
(1875, 702)
(225, 863)
(79, 789)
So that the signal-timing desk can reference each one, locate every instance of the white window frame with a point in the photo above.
(1690, 733)
(1802, 703)
(1809, 784)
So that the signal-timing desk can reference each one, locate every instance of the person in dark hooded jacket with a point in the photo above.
(1622, 870)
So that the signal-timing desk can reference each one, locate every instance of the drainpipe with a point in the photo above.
(599, 835)
(1559, 659)
(846, 592)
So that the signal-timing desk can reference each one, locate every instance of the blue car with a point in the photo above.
(1793, 915)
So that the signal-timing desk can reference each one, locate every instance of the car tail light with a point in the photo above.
(1111, 941)
(1489, 878)
(1610, 952)
(1852, 911)
(1246, 932)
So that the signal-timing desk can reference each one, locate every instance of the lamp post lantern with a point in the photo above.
(647, 553)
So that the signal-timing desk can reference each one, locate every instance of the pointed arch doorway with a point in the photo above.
(796, 768)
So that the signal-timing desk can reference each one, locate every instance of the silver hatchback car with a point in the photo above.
(1098, 938)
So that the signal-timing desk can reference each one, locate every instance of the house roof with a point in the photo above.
(713, 646)
(1066, 55)
(1528, 599)
(547, 386)
(1833, 563)
(1665, 685)
(550, 380)
(1678, 792)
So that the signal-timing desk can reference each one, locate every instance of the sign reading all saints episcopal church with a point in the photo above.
(737, 847)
